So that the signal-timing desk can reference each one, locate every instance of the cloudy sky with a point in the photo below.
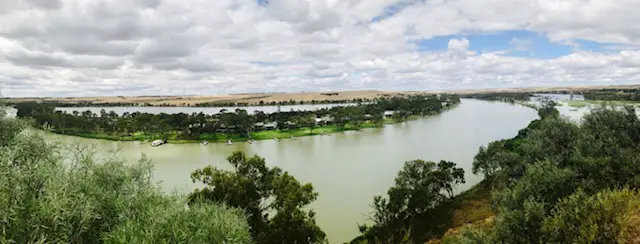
(151, 47)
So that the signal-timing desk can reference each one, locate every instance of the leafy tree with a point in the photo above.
(547, 109)
(307, 121)
(415, 208)
(523, 207)
(273, 199)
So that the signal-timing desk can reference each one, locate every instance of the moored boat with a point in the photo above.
(157, 143)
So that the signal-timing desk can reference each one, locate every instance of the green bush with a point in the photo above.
(53, 194)
(176, 224)
(607, 217)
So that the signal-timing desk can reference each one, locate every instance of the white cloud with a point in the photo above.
(124, 47)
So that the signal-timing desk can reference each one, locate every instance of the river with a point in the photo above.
(347, 169)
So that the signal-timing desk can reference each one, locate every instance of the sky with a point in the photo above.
(205, 47)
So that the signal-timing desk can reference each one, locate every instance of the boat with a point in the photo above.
(229, 142)
(276, 139)
(157, 143)
(205, 143)
(294, 138)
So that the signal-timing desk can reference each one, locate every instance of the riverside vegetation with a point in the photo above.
(238, 125)
(51, 194)
(62, 103)
(55, 194)
(555, 182)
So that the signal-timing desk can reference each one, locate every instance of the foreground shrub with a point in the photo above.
(51, 194)
(607, 217)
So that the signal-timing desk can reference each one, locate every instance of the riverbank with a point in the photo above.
(471, 208)
(174, 136)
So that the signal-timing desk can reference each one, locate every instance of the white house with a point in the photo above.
(388, 113)
(270, 126)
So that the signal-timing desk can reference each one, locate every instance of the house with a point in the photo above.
(327, 119)
(258, 126)
(270, 126)
(290, 124)
(388, 113)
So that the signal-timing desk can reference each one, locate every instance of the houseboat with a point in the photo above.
(158, 143)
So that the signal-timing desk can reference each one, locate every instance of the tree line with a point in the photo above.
(500, 96)
(283, 103)
(290, 102)
(613, 94)
(239, 122)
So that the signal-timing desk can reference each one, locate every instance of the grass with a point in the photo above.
(174, 137)
(584, 103)
(471, 208)
(472, 205)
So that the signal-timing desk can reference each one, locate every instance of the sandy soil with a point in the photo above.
(300, 96)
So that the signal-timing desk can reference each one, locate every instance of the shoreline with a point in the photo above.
(257, 136)
(585, 103)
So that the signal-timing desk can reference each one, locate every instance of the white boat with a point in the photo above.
(229, 142)
(276, 139)
(157, 143)
(294, 138)
(205, 143)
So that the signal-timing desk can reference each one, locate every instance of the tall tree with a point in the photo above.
(418, 194)
(273, 199)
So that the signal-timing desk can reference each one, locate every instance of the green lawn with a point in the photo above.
(583, 103)
(173, 137)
